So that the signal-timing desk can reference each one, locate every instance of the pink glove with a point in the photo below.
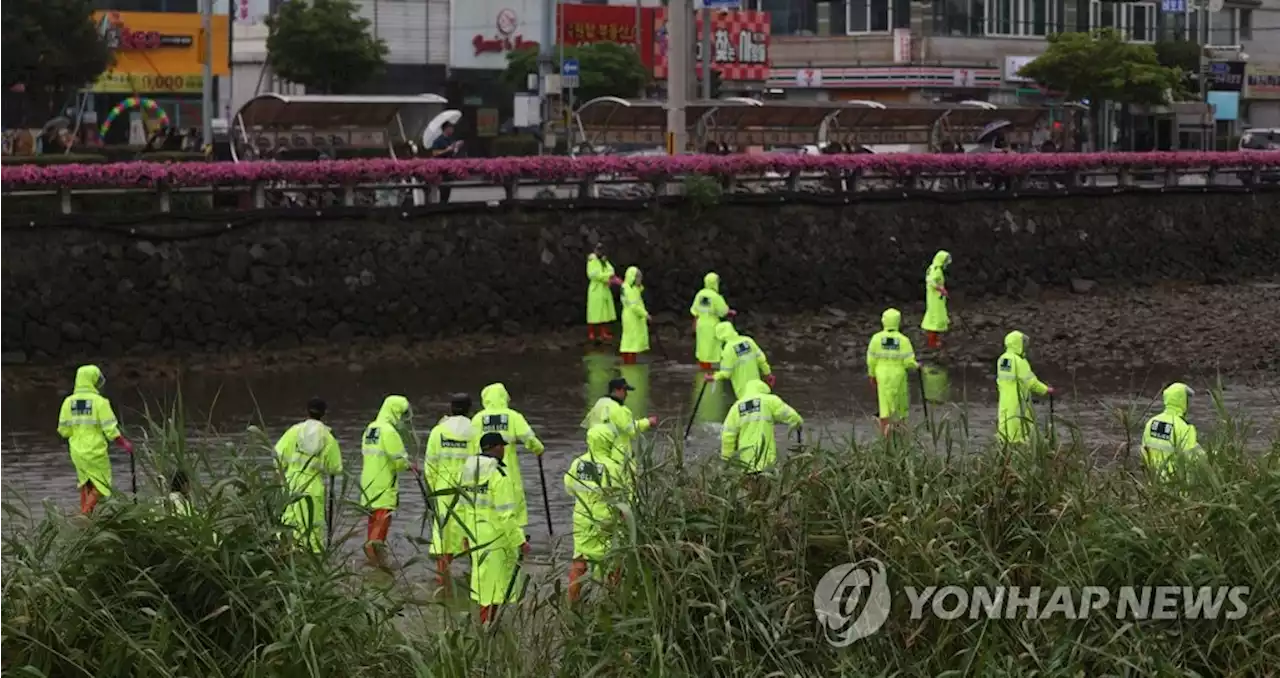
(709, 377)
(653, 421)
(124, 444)
(771, 380)
(414, 468)
(615, 281)
(731, 313)
(874, 385)
(944, 293)
(525, 548)
(1050, 390)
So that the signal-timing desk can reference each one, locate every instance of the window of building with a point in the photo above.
(1022, 17)
(1230, 27)
(1134, 21)
(1245, 23)
(868, 16)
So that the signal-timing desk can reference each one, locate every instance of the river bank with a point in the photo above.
(1171, 326)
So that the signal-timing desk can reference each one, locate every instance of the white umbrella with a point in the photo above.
(429, 135)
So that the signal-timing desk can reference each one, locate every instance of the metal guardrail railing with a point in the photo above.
(854, 186)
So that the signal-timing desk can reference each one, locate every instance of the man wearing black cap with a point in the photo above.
(612, 411)
(307, 450)
(448, 448)
(489, 504)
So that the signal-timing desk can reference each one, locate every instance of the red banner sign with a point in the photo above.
(739, 45)
(585, 24)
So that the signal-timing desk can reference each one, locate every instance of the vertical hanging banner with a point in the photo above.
(739, 45)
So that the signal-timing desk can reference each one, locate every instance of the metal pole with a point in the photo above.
(568, 108)
(206, 103)
(678, 41)
(544, 66)
(706, 53)
(639, 21)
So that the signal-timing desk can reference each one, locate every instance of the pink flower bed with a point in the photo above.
(567, 169)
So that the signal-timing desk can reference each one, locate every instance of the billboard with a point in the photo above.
(159, 52)
(739, 45)
(584, 24)
(482, 32)
(1262, 81)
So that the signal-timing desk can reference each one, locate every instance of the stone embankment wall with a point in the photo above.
(70, 293)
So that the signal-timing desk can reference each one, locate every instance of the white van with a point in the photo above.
(1260, 139)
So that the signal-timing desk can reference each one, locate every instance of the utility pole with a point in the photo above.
(544, 67)
(206, 103)
(706, 52)
(679, 16)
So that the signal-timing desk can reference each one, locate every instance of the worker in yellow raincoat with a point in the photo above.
(612, 411)
(600, 307)
(708, 309)
(936, 322)
(741, 360)
(1169, 445)
(889, 356)
(489, 507)
(599, 484)
(498, 417)
(306, 452)
(1016, 383)
(635, 317)
(747, 437)
(88, 424)
(384, 457)
(449, 445)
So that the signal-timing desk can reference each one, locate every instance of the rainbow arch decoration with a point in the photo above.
(140, 103)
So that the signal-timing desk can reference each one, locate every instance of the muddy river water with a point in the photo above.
(554, 388)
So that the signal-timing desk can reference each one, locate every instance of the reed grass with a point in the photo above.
(718, 571)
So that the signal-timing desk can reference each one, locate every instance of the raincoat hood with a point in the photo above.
(89, 378)
(891, 319)
(312, 437)
(756, 388)
(600, 439)
(725, 332)
(495, 397)
(393, 409)
(942, 258)
(711, 281)
(1015, 341)
(1177, 398)
(457, 426)
(632, 273)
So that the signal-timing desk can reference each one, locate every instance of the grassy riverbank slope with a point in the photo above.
(719, 574)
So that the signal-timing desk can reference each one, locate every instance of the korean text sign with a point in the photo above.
(739, 45)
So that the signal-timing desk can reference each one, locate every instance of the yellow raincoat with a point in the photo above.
(597, 481)
(498, 417)
(747, 437)
(88, 425)
(384, 456)
(889, 356)
(635, 317)
(935, 305)
(305, 452)
(1169, 441)
(489, 507)
(450, 444)
(741, 360)
(709, 308)
(600, 307)
(1016, 384)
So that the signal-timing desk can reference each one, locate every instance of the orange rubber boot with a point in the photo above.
(577, 571)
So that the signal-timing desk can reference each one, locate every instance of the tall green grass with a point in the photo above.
(718, 572)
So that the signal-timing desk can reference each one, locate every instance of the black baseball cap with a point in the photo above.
(317, 406)
(462, 399)
(615, 384)
(492, 439)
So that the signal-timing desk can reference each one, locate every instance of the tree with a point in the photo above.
(1101, 67)
(324, 45)
(52, 49)
(604, 69)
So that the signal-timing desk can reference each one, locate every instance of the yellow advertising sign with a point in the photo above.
(162, 44)
(1261, 81)
(128, 83)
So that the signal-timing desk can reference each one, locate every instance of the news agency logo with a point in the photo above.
(853, 601)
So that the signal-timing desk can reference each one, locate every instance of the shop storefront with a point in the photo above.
(157, 78)
(1261, 95)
